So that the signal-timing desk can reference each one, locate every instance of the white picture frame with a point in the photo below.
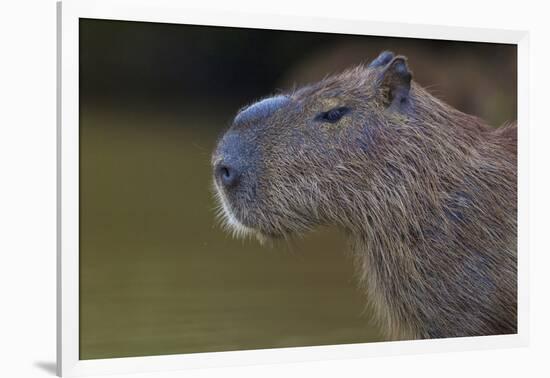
(171, 11)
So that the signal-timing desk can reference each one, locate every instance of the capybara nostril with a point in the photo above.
(226, 175)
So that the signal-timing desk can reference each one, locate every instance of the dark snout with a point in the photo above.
(237, 154)
(241, 166)
(234, 162)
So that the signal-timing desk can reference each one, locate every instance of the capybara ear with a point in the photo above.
(395, 83)
(384, 58)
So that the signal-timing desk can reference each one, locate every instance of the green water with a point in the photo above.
(159, 276)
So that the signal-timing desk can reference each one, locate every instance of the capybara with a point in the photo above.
(426, 194)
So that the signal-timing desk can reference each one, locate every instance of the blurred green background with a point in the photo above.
(157, 274)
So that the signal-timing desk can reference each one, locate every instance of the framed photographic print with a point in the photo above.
(237, 189)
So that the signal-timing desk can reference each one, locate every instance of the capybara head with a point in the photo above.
(297, 160)
(425, 193)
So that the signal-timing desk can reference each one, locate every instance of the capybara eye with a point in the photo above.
(333, 115)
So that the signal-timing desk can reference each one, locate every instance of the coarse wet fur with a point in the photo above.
(426, 194)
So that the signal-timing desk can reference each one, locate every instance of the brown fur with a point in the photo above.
(426, 194)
